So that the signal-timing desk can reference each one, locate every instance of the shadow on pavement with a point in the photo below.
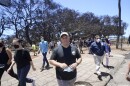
(110, 67)
(103, 74)
(82, 83)
(47, 68)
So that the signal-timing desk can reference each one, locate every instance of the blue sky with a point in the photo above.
(99, 8)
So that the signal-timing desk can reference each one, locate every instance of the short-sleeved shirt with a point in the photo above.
(22, 58)
(68, 56)
(43, 46)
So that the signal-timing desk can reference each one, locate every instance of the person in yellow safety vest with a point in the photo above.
(34, 49)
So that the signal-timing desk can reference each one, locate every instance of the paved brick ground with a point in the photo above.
(85, 71)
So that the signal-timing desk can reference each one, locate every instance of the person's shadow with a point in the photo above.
(82, 83)
(47, 68)
(104, 74)
(109, 67)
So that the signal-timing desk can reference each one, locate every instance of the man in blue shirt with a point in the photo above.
(43, 47)
(98, 51)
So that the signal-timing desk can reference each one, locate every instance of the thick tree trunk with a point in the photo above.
(27, 35)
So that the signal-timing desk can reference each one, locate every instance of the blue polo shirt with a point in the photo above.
(43, 46)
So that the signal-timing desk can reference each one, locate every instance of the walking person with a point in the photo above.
(65, 58)
(106, 55)
(43, 47)
(128, 73)
(89, 42)
(34, 48)
(81, 45)
(107, 40)
(5, 61)
(23, 62)
(51, 46)
(98, 50)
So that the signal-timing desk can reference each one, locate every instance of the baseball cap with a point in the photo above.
(64, 33)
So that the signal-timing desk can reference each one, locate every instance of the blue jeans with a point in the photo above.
(45, 60)
(22, 74)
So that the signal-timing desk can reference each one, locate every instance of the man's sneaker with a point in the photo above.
(47, 67)
(33, 83)
(42, 69)
(97, 68)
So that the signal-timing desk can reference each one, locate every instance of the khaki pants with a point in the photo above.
(97, 60)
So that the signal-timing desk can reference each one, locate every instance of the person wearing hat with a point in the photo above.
(65, 58)
(98, 51)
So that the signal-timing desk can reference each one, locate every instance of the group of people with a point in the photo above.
(22, 59)
(65, 57)
(65, 54)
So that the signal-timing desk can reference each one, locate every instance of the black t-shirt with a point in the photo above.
(4, 56)
(22, 58)
(68, 56)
